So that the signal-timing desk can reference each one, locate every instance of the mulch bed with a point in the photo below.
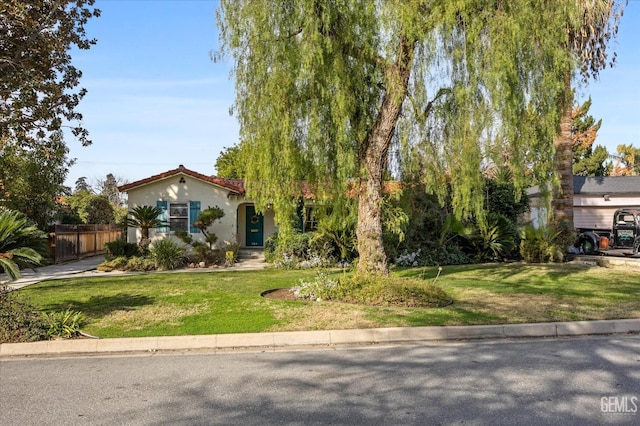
(280, 294)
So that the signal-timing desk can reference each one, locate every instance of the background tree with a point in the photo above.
(92, 208)
(627, 161)
(324, 89)
(229, 163)
(588, 36)
(32, 178)
(37, 79)
(109, 188)
(82, 186)
(587, 160)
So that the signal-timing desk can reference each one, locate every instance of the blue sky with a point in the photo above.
(156, 100)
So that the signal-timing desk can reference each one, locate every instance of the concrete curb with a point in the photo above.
(291, 340)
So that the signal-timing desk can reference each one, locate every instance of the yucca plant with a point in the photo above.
(21, 242)
(540, 245)
(168, 254)
(65, 324)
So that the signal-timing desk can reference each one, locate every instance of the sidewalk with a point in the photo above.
(61, 270)
(312, 339)
(88, 265)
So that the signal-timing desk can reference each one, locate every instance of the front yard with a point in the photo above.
(230, 302)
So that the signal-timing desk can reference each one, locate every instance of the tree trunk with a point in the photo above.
(562, 204)
(373, 157)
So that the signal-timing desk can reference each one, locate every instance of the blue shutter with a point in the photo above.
(194, 212)
(163, 205)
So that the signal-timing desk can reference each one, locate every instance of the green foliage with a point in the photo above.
(374, 290)
(206, 219)
(21, 243)
(540, 245)
(184, 236)
(129, 264)
(301, 250)
(168, 254)
(32, 178)
(65, 324)
(119, 248)
(493, 241)
(98, 210)
(504, 199)
(229, 163)
(92, 208)
(140, 264)
(37, 77)
(350, 82)
(145, 217)
(587, 159)
(19, 320)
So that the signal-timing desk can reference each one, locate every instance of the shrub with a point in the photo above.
(19, 321)
(493, 241)
(131, 264)
(64, 324)
(539, 245)
(121, 248)
(115, 264)
(374, 290)
(300, 250)
(139, 264)
(321, 288)
(168, 254)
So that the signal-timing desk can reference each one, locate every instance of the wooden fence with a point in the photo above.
(69, 242)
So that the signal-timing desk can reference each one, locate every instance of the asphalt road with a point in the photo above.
(580, 381)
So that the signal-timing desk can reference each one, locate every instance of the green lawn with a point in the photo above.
(229, 302)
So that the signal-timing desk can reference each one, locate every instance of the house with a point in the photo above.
(182, 194)
(595, 200)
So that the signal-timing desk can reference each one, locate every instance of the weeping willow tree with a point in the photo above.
(327, 90)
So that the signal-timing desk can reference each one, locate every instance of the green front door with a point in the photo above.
(255, 227)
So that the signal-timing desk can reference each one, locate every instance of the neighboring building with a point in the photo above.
(595, 200)
(182, 194)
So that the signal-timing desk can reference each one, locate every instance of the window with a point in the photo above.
(179, 217)
(310, 220)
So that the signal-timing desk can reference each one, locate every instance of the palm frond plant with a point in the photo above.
(145, 217)
(21, 243)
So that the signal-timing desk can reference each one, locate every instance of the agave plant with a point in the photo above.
(145, 217)
(21, 242)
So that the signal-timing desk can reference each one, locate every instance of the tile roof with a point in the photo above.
(236, 186)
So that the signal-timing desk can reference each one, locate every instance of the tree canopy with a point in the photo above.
(588, 160)
(37, 79)
(32, 179)
(335, 96)
(229, 163)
